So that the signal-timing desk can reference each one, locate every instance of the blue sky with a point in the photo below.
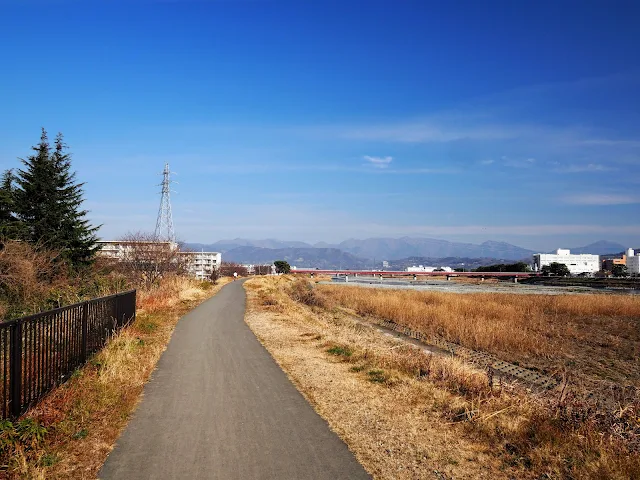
(515, 121)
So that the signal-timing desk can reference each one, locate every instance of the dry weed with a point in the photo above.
(597, 336)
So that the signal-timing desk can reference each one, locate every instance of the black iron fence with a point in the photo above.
(41, 351)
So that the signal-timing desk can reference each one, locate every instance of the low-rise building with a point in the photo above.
(576, 263)
(633, 262)
(422, 268)
(608, 263)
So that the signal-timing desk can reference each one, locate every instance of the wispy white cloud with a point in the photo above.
(418, 171)
(489, 161)
(378, 162)
(609, 142)
(524, 230)
(432, 130)
(602, 199)
(518, 162)
(582, 168)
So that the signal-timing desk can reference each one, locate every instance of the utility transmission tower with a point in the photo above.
(164, 225)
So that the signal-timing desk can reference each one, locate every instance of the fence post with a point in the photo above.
(16, 370)
(118, 319)
(134, 304)
(85, 331)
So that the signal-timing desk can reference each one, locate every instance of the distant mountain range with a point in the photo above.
(355, 253)
(302, 257)
(601, 247)
(384, 248)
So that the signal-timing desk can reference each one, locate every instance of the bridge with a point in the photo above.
(400, 273)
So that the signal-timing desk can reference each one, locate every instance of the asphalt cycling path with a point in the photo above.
(219, 407)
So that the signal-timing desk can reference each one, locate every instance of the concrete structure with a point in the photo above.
(633, 262)
(577, 263)
(202, 264)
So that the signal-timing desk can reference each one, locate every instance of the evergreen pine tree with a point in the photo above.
(9, 224)
(48, 202)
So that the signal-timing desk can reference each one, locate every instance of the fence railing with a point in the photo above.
(41, 351)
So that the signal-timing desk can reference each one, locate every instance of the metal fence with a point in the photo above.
(41, 351)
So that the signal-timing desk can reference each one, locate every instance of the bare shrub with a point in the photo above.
(27, 275)
(261, 269)
(302, 291)
(227, 269)
(145, 260)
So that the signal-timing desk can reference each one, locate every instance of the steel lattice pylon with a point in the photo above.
(164, 225)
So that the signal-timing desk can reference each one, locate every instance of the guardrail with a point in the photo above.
(41, 351)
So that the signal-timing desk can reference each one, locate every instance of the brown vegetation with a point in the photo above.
(84, 417)
(596, 338)
(407, 414)
(34, 278)
(227, 269)
(145, 259)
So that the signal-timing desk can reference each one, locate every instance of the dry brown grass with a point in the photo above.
(85, 415)
(406, 414)
(596, 337)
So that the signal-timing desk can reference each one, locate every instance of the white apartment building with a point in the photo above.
(633, 262)
(198, 264)
(577, 263)
(202, 264)
(118, 249)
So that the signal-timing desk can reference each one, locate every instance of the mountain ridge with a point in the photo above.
(372, 251)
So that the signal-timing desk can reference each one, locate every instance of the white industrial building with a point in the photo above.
(577, 263)
(633, 262)
(422, 268)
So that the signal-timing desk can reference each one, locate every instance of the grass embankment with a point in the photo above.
(406, 414)
(595, 338)
(84, 417)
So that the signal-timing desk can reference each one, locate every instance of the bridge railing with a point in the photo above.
(41, 351)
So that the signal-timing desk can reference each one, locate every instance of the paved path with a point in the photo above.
(219, 407)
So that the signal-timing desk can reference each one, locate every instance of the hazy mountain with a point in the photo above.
(601, 247)
(301, 257)
(395, 248)
(467, 263)
(383, 248)
(401, 252)
(226, 245)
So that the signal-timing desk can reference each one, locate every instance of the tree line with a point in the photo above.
(505, 267)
